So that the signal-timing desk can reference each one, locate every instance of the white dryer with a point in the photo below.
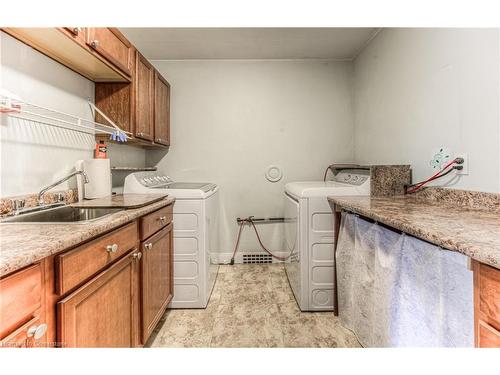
(196, 233)
(309, 236)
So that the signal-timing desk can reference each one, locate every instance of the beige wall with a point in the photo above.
(232, 119)
(417, 90)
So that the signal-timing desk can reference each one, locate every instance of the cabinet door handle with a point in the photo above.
(112, 248)
(137, 256)
(76, 30)
(140, 134)
(148, 246)
(37, 331)
(94, 44)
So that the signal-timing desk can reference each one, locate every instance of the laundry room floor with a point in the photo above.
(252, 305)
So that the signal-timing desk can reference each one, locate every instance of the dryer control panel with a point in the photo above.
(353, 176)
(152, 179)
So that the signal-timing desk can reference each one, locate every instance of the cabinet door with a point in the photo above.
(104, 312)
(112, 45)
(157, 278)
(162, 110)
(144, 98)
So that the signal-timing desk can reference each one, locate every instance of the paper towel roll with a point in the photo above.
(99, 174)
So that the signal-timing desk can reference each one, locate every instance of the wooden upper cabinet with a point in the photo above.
(157, 278)
(141, 107)
(99, 54)
(105, 311)
(112, 45)
(144, 81)
(162, 110)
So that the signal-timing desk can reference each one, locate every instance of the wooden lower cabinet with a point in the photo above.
(486, 305)
(108, 292)
(157, 278)
(105, 311)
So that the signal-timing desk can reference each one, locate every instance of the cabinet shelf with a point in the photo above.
(132, 169)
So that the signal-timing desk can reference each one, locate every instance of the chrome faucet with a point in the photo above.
(45, 189)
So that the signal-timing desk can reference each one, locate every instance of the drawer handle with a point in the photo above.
(37, 331)
(162, 218)
(148, 246)
(77, 30)
(94, 44)
(137, 256)
(112, 248)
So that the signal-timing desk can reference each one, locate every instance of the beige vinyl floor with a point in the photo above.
(251, 305)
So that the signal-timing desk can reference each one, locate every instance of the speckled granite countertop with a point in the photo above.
(24, 244)
(472, 231)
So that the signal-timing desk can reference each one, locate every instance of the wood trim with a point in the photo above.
(50, 300)
(135, 142)
(475, 275)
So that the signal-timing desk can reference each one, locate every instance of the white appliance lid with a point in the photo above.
(324, 189)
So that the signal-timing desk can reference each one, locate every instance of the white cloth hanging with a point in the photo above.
(397, 291)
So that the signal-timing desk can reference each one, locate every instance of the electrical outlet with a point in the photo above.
(465, 170)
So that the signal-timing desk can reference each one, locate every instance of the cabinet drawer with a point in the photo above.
(152, 223)
(112, 45)
(19, 338)
(77, 265)
(20, 298)
(489, 337)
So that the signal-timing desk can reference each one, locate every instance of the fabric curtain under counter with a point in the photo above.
(395, 290)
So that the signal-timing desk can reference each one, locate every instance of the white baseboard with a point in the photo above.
(225, 258)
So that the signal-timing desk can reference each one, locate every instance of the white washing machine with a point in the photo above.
(196, 232)
(309, 236)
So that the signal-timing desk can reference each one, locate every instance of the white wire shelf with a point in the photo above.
(27, 111)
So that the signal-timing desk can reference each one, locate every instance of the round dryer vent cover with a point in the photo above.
(274, 173)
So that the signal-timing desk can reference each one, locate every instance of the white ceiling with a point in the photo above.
(249, 43)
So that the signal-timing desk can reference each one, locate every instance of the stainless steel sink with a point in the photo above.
(65, 214)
